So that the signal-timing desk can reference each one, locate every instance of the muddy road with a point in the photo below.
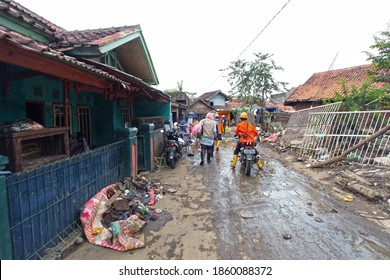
(276, 213)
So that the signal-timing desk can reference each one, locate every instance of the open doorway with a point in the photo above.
(36, 111)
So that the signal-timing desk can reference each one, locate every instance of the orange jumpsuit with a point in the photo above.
(245, 127)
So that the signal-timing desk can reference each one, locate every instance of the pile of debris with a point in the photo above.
(20, 125)
(369, 181)
(116, 215)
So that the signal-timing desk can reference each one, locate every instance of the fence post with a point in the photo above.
(129, 134)
(5, 225)
(147, 130)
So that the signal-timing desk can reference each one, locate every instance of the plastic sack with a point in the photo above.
(197, 130)
(125, 232)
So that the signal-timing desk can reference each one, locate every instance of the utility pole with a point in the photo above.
(334, 59)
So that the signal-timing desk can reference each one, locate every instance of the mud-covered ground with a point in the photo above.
(341, 176)
(284, 211)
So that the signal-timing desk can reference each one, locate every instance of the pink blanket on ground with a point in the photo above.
(124, 234)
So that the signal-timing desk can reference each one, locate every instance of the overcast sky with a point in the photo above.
(191, 40)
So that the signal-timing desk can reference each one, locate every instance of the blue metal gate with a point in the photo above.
(44, 203)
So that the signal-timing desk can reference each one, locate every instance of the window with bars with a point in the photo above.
(84, 122)
(59, 116)
(125, 117)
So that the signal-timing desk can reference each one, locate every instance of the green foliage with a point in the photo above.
(363, 98)
(381, 60)
(371, 95)
(253, 81)
(177, 91)
(237, 111)
(173, 90)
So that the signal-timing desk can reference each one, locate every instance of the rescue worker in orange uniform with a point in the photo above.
(246, 131)
(220, 131)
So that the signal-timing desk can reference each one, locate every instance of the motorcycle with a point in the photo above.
(248, 155)
(173, 146)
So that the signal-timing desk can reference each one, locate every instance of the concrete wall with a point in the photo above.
(158, 143)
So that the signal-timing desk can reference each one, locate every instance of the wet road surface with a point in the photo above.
(276, 213)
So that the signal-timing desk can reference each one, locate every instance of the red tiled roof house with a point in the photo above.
(323, 86)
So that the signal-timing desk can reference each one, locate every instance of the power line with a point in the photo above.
(263, 29)
(252, 41)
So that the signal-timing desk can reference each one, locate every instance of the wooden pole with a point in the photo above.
(66, 113)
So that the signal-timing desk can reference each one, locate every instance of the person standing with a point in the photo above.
(183, 128)
(255, 115)
(260, 117)
(207, 136)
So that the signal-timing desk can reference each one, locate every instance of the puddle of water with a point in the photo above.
(282, 194)
(328, 179)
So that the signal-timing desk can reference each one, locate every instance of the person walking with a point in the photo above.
(193, 135)
(220, 131)
(225, 124)
(206, 137)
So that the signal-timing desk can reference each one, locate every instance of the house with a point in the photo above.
(199, 107)
(179, 104)
(93, 83)
(214, 98)
(323, 86)
(280, 97)
(209, 101)
(103, 77)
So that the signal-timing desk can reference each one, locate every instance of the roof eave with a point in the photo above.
(136, 35)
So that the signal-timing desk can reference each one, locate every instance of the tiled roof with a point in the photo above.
(20, 41)
(208, 95)
(24, 42)
(16, 10)
(70, 39)
(198, 99)
(86, 38)
(324, 85)
(280, 105)
(230, 105)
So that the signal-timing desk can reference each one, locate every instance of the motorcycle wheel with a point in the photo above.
(172, 163)
(243, 160)
(248, 165)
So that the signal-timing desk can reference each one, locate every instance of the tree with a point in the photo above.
(381, 60)
(253, 82)
(375, 92)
